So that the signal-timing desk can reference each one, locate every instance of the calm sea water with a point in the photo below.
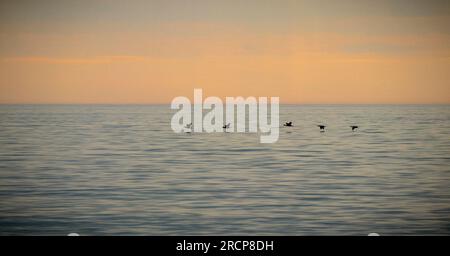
(120, 170)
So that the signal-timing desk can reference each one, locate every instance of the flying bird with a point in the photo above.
(288, 124)
(188, 128)
(354, 127)
(322, 127)
(226, 126)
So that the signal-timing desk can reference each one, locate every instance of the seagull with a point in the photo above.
(354, 127)
(226, 126)
(288, 124)
(322, 127)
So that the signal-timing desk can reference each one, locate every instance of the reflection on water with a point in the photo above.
(103, 170)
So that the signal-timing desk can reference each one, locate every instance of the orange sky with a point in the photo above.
(59, 53)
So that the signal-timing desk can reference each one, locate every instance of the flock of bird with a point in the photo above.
(321, 127)
(189, 126)
(287, 124)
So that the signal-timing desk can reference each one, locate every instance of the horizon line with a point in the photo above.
(393, 103)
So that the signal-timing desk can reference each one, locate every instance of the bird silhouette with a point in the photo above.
(354, 127)
(288, 124)
(322, 127)
(188, 128)
(226, 126)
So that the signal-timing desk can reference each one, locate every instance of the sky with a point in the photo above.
(305, 52)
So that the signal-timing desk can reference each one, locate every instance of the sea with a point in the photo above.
(121, 170)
